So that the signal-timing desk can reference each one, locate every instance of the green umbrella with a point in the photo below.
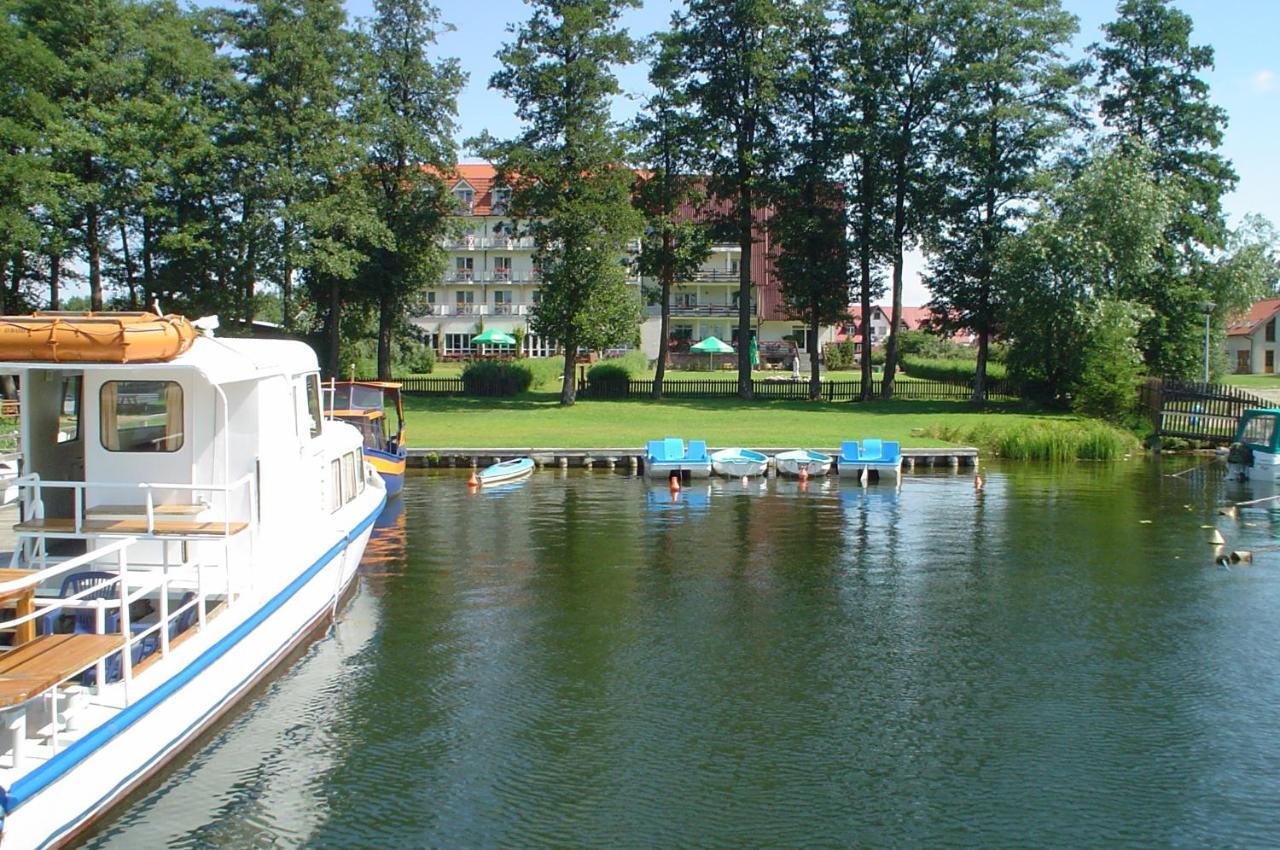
(493, 336)
(755, 353)
(713, 346)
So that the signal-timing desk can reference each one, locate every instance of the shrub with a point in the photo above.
(951, 370)
(1111, 363)
(930, 346)
(839, 355)
(546, 371)
(608, 380)
(496, 378)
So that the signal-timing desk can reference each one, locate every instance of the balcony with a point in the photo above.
(701, 311)
(510, 309)
(714, 276)
(488, 243)
(485, 277)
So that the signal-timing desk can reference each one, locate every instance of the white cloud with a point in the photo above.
(1264, 81)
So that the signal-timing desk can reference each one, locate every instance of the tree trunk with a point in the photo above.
(128, 265)
(899, 236)
(744, 288)
(980, 374)
(815, 369)
(148, 260)
(55, 280)
(333, 353)
(664, 324)
(94, 247)
(386, 325)
(568, 386)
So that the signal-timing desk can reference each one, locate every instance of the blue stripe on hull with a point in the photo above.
(64, 762)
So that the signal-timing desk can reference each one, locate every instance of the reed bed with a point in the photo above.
(1042, 439)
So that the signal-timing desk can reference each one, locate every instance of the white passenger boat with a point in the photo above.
(184, 524)
(736, 463)
(813, 463)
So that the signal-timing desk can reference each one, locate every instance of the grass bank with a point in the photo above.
(535, 420)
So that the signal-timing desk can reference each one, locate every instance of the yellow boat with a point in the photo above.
(94, 337)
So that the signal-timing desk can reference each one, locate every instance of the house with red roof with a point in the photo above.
(491, 280)
(1251, 339)
(913, 319)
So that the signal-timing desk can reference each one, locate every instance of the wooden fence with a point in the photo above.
(1196, 411)
(431, 386)
(685, 388)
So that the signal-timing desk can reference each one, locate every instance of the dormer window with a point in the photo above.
(466, 197)
(501, 197)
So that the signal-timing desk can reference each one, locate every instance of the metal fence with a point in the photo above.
(1196, 411)
(685, 388)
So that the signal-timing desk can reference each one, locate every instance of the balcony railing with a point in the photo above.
(510, 309)
(478, 243)
(715, 276)
(485, 277)
(701, 311)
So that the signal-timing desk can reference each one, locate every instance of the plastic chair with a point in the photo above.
(655, 450)
(849, 451)
(892, 452)
(697, 451)
(673, 448)
(871, 450)
(83, 620)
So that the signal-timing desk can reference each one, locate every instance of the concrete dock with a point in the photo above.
(626, 459)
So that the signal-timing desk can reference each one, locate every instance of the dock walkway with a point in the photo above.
(633, 458)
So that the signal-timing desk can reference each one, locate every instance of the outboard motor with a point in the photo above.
(1239, 461)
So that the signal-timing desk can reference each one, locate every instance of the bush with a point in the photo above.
(930, 346)
(546, 371)
(1111, 364)
(950, 370)
(608, 379)
(839, 356)
(496, 378)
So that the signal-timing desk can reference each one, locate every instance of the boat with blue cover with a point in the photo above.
(738, 462)
(184, 525)
(814, 464)
(376, 410)
(1255, 450)
(871, 456)
(507, 470)
(668, 457)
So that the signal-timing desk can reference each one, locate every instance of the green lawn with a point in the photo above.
(1254, 381)
(537, 421)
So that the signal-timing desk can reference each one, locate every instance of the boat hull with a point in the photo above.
(735, 463)
(506, 471)
(667, 468)
(814, 464)
(202, 680)
(390, 468)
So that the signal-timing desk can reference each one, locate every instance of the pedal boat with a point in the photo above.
(184, 525)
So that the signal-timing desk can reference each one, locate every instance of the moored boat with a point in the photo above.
(670, 457)
(183, 526)
(1255, 450)
(376, 410)
(813, 463)
(737, 462)
(507, 470)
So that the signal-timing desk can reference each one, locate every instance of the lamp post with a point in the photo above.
(1207, 309)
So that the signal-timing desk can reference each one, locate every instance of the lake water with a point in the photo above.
(579, 661)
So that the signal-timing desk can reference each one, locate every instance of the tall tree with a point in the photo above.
(676, 241)
(809, 219)
(1153, 94)
(730, 58)
(918, 77)
(296, 56)
(1013, 103)
(568, 171)
(409, 102)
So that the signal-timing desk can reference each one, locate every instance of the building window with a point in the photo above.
(686, 299)
(457, 344)
(681, 338)
(536, 297)
(1271, 331)
(141, 416)
(464, 296)
(734, 266)
(463, 268)
(69, 410)
(502, 268)
(501, 198)
(465, 196)
(431, 296)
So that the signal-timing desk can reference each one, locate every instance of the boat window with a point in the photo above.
(1259, 430)
(348, 476)
(335, 486)
(313, 403)
(69, 410)
(360, 471)
(141, 416)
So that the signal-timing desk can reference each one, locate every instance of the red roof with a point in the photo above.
(480, 177)
(1259, 312)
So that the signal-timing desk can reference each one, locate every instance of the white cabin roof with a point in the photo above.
(221, 360)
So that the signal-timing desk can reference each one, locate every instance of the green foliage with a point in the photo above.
(1111, 364)
(546, 371)
(951, 369)
(1057, 440)
(923, 344)
(566, 170)
(496, 377)
(608, 379)
(839, 356)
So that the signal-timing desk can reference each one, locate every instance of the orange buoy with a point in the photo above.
(675, 483)
(94, 337)
(473, 482)
(804, 474)
(978, 482)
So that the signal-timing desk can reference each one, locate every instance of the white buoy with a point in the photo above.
(1216, 538)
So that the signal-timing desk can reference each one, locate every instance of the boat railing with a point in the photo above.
(138, 641)
(32, 489)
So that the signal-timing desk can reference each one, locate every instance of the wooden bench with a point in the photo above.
(36, 666)
(130, 527)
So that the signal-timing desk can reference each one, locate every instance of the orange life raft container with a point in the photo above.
(94, 337)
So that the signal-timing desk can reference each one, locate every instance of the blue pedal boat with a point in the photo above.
(870, 456)
(664, 458)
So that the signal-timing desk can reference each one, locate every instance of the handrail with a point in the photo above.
(35, 482)
(39, 577)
